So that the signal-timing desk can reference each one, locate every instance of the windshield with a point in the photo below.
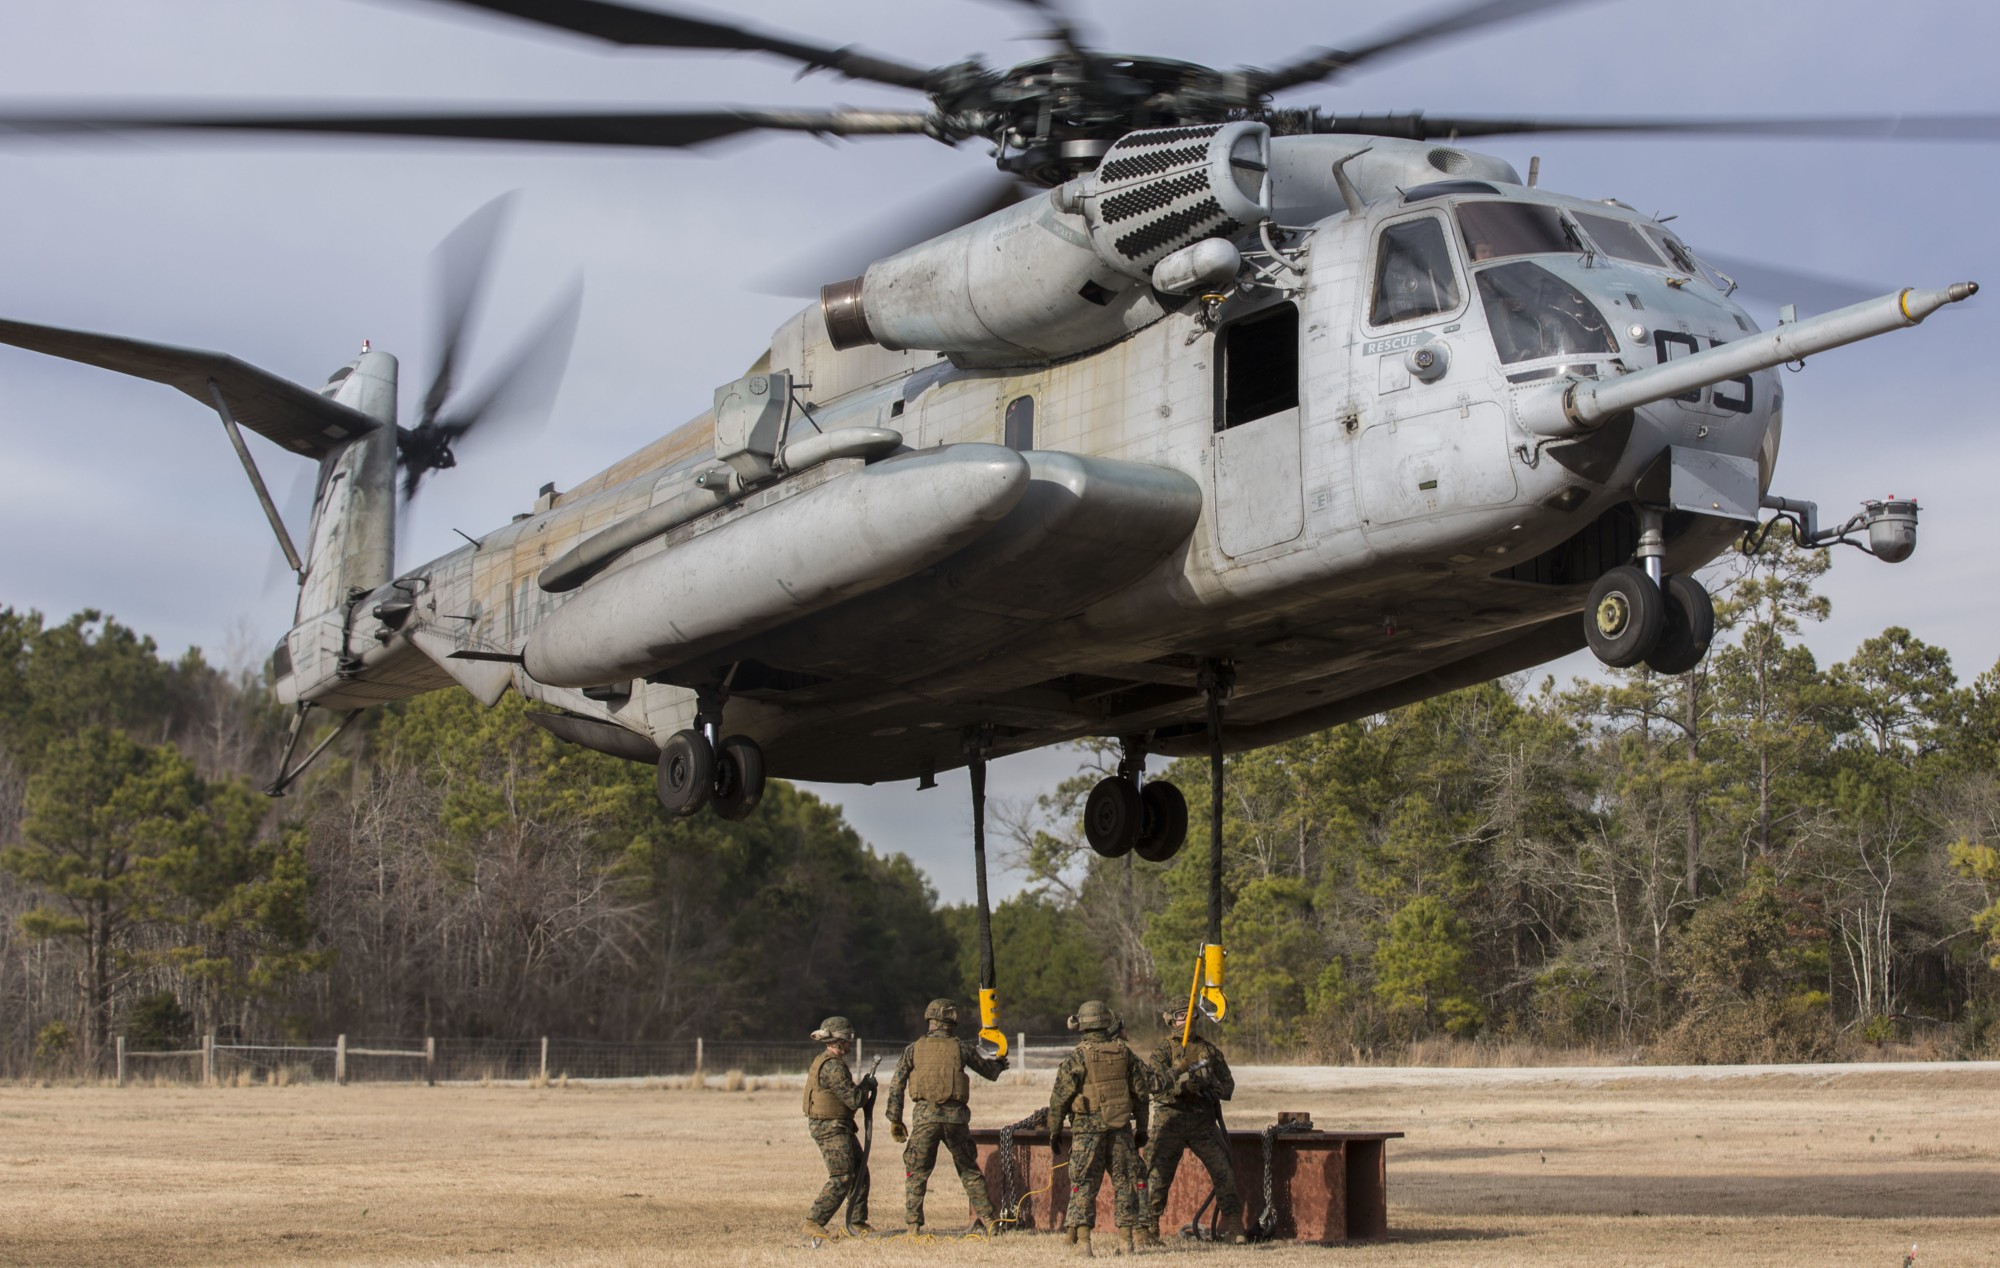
(1535, 314)
(1494, 231)
(1621, 239)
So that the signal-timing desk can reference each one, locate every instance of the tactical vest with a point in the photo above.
(937, 1071)
(820, 1101)
(1107, 1086)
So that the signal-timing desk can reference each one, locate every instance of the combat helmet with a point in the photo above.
(942, 1010)
(834, 1028)
(1093, 1014)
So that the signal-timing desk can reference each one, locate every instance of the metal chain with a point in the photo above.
(1010, 1197)
(1267, 1220)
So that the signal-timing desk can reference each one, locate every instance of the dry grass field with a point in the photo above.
(1845, 1169)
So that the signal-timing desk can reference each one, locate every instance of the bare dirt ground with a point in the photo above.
(1837, 1168)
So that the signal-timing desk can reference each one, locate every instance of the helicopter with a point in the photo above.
(1246, 422)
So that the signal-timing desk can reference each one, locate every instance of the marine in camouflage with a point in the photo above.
(1102, 1088)
(941, 1122)
(831, 1099)
(1185, 1119)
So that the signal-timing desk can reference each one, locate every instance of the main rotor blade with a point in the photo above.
(1062, 30)
(1325, 63)
(652, 28)
(656, 129)
(929, 215)
(1773, 284)
(461, 262)
(1423, 127)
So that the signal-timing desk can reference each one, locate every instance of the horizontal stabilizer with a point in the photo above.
(297, 418)
(487, 679)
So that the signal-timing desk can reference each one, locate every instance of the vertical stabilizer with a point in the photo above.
(352, 546)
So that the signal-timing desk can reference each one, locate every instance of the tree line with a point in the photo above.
(1763, 859)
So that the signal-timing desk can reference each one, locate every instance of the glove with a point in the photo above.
(867, 1083)
(1138, 1138)
(1005, 1063)
(899, 1132)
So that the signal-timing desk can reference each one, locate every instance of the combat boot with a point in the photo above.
(815, 1229)
(1148, 1238)
(860, 1228)
(1124, 1246)
(1232, 1229)
(1079, 1242)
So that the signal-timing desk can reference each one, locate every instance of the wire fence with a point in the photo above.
(376, 1059)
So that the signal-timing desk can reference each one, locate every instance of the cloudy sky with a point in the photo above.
(123, 495)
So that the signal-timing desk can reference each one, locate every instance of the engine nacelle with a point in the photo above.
(1063, 274)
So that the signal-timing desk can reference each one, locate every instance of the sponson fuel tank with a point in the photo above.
(849, 536)
(1065, 272)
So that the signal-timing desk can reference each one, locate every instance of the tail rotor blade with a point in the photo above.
(525, 391)
(461, 263)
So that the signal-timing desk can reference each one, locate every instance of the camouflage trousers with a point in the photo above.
(1091, 1155)
(1174, 1133)
(844, 1172)
(920, 1156)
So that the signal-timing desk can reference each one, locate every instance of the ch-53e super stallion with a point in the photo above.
(1301, 415)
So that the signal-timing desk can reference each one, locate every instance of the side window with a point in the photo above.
(1019, 430)
(1260, 366)
(1413, 274)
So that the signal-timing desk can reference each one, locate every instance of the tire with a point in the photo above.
(1163, 817)
(1111, 817)
(1688, 626)
(739, 777)
(1622, 623)
(686, 777)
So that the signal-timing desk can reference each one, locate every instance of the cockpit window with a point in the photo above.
(1535, 314)
(1620, 239)
(1687, 261)
(1413, 273)
(1494, 231)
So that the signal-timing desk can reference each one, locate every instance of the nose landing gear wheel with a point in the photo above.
(1622, 623)
(1112, 816)
(1688, 626)
(1163, 822)
(739, 777)
(687, 773)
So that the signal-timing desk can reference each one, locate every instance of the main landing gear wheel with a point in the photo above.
(686, 777)
(1163, 824)
(1112, 816)
(1685, 632)
(1622, 623)
(739, 777)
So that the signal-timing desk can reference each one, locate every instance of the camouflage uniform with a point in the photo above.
(940, 1122)
(1184, 1118)
(830, 1102)
(1100, 1139)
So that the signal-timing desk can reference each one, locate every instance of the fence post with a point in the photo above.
(340, 1060)
(1021, 1046)
(121, 1061)
(430, 1061)
(857, 1052)
(700, 1079)
(545, 1059)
